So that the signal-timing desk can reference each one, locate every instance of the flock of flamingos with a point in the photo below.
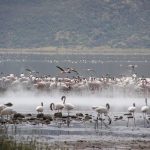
(77, 84)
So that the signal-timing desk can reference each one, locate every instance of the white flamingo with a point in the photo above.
(102, 110)
(68, 107)
(145, 110)
(131, 109)
(2, 106)
(7, 112)
(40, 108)
(58, 106)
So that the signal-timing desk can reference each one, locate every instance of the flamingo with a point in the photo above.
(131, 109)
(68, 107)
(2, 106)
(7, 111)
(40, 108)
(58, 106)
(68, 70)
(145, 110)
(102, 110)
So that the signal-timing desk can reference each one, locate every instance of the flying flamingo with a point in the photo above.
(68, 70)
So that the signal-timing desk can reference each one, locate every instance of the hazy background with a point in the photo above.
(26, 101)
(71, 23)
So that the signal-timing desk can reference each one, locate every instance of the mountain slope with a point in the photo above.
(69, 23)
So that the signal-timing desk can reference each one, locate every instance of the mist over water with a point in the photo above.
(26, 101)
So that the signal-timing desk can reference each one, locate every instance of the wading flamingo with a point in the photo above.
(40, 109)
(131, 110)
(102, 110)
(145, 110)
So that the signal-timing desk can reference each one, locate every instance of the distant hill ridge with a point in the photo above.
(71, 23)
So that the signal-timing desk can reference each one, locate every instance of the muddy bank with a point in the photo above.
(103, 144)
(80, 136)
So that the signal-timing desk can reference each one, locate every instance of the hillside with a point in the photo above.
(71, 23)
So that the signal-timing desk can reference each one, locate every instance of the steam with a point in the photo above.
(25, 101)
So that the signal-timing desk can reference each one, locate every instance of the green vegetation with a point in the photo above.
(9, 144)
(75, 23)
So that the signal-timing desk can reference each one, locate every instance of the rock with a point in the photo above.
(127, 114)
(79, 115)
(47, 118)
(18, 116)
(87, 117)
(58, 115)
(73, 117)
(28, 115)
(41, 115)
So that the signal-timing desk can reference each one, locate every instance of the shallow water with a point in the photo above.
(81, 132)
(26, 101)
(102, 64)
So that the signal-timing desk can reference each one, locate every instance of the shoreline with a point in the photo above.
(77, 51)
(114, 138)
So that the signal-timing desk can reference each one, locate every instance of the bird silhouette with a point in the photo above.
(28, 70)
(67, 70)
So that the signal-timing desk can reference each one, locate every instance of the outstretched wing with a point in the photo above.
(75, 71)
(60, 68)
(28, 70)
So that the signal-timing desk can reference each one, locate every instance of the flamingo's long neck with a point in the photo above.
(146, 101)
(52, 106)
(64, 101)
(107, 106)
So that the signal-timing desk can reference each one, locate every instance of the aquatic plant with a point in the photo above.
(10, 144)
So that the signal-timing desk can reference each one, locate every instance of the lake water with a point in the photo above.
(45, 64)
(26, 101)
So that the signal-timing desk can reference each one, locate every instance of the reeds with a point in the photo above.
(10, 144)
